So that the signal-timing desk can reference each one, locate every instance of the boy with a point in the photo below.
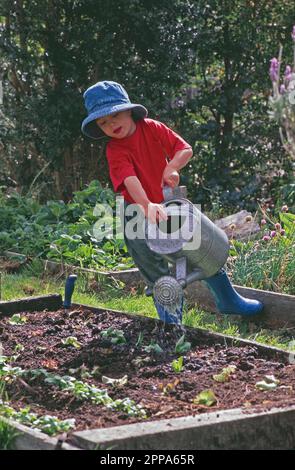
(143, 156)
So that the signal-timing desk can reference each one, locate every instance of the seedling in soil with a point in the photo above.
(116, 383)
(50, 425)
(116, 336)
(8, 373)
(182, 346)
(153, 347)
(206, 397)
(177, 365)
(17, 319)
(86, 373)
(139, 339)
(84, 391)
(18, 348)
(224, 376)
(71, 341)
(269, 383)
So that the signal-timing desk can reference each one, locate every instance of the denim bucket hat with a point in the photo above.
(105, 98)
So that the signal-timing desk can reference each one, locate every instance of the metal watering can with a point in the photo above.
(190, 241)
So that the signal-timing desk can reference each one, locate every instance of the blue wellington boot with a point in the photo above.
(169, 314)
(227, 300)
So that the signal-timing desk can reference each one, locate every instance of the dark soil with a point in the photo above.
(148, 373)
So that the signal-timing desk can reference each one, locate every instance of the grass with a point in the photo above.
(16, 286)
(7, 436)
(113, 296)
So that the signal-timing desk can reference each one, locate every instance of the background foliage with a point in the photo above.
(200, 66)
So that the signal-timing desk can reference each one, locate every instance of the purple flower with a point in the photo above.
(282, 232)
(293, 33)
(274, 69)
(288, 70)
(263, 222)
(266, 238)
(282, 89)
(273, 233)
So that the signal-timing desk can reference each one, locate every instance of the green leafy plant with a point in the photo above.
(115, 336)
(18, 348)
(17, 319)
(224, 376)
(139, 340)
(206, 397)
(116, 383)
(84, 391)
(7, 372)
(71, 341)
(61, 232)
(177, 364)
(50, 425)
(8, 435)
(269, 262)
(182, 346)
(153, 347)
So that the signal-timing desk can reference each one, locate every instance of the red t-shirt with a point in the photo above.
(143, 154)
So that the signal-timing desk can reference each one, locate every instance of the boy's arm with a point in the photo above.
(151, 210)
(180, 159)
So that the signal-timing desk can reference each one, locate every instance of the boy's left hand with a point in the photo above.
(170, 177)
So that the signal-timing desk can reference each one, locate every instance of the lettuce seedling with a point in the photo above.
(206, 397)
(225, 374)
(182, 346)
(71, 341)
(116, 383)
(116, 336)
(177, 365)
(17, 319)
(153, 347)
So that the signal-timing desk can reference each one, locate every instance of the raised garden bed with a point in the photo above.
(158, 408)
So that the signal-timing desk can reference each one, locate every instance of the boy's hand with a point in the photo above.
(155, 212)
(170, 177)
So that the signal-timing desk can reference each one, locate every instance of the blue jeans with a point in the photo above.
(150, 264)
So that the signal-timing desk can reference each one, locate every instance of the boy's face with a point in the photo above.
(118, 125)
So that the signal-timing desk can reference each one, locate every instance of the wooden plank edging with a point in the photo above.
(225, 429)
(41, 302)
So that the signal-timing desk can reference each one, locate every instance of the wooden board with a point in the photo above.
(29, 304)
